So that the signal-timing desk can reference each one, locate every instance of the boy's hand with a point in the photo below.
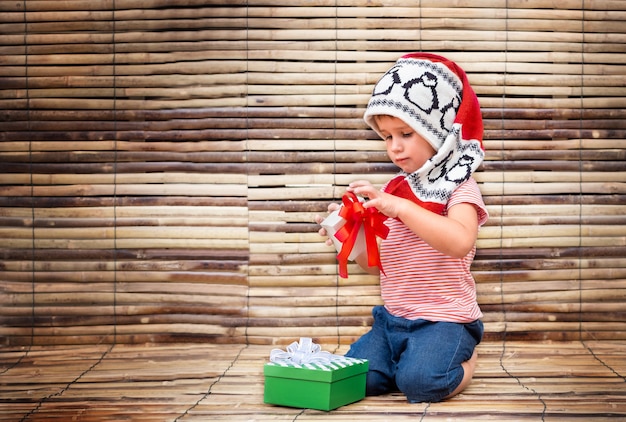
(385, 203)
(318, 219)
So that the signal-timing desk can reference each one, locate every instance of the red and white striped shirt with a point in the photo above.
(421, 282)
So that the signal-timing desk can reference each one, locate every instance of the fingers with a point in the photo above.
(333, 206)
(358, 185)
(318, 219)
(365, 190)
(322, 232)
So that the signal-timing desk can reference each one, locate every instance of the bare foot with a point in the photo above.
(469, 366)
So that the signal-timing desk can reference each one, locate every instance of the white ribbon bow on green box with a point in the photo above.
(303, 353)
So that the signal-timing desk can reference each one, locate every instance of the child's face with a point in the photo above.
(405, 147)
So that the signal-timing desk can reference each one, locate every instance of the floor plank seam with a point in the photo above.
(603, 363)
(219, 378)
(519, 381)
(59, 393)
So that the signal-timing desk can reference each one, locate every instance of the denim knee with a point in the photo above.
(374, 347)
(377, 383)
(420, 358)
(430, 366)
(420, 384)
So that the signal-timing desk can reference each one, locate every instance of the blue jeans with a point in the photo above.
(420, 358)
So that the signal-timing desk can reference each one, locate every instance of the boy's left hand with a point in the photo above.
(384, 202)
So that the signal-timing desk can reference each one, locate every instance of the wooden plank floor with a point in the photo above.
(199, 382)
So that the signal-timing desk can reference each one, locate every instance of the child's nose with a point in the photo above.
(396, 143)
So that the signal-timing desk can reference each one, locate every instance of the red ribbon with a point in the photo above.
(357, 216)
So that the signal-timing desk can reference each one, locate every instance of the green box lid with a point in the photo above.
(332, 372)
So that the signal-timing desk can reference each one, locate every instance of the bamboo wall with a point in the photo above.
(162, 163)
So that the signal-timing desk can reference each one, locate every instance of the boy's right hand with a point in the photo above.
(318, 219)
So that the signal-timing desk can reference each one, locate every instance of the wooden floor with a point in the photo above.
(203, 382)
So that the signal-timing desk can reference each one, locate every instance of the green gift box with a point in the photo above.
(305, 376)
(315, 386)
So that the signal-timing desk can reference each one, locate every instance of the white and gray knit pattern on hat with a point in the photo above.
(423, 94)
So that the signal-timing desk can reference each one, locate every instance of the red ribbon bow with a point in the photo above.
(357, 216)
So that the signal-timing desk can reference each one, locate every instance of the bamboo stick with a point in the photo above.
(435, 40)
(156, 243)
(57, 279)
(125, 178)
(153, 4)
(129, 233)
(220, 264)
(255, 115)
(130, 189)
(277, 13)
(304, 113)
(131, 65)
(321, 26)
(129, 212)
(116, 201)
(337, 91)
(96, 5)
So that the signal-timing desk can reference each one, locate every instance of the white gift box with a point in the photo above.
(333, 223)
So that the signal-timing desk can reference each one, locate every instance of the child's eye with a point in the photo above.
(407, 134)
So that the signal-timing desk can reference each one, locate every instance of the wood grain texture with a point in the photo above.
(161, 166)
(193, 382)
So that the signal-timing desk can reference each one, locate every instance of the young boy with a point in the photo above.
(422, 340)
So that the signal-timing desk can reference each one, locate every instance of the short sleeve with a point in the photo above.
(469, 193)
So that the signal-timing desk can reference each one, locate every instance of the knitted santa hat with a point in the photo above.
(432, 95)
